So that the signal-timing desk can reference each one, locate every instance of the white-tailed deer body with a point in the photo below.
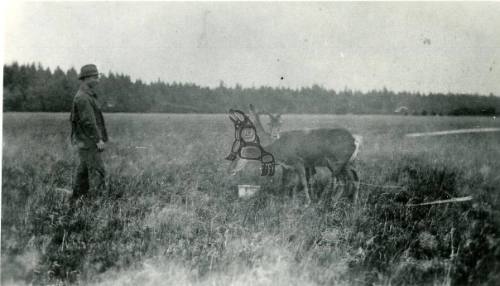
(330, 148)
(301, 151)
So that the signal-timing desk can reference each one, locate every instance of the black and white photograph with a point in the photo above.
(250, 143)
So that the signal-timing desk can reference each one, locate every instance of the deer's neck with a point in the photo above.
(264, 136)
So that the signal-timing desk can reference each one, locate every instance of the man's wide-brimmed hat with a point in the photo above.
(87, 71)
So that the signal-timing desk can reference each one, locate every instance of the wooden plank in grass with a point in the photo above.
(457, 131)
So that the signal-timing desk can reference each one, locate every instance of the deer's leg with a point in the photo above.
(316, 185)
(348, 181)
(335, 179)
(285, 178)
(288, 177)
(302, 174)
(236, 166)
(355, 182)
(292, 174)
(332, 182)
(327, 190)
(294, 191)
(351, 183)
(283, 181)
(308, 180)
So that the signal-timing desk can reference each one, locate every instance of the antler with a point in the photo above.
(273, 117)
(258, 123)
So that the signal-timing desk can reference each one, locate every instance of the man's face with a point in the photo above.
(92, 81)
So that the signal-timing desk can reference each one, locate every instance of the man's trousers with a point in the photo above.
(90, 174)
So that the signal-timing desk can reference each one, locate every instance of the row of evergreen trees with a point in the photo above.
(35, 88)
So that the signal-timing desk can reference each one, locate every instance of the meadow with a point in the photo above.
(171, 214)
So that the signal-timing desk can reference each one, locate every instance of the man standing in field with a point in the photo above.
(88, 134)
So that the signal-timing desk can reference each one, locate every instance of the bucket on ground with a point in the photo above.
(247, 191)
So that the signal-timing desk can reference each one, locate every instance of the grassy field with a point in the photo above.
(171, 214)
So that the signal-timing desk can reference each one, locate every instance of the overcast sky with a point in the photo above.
(425, 47)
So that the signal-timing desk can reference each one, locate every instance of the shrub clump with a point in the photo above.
(457, 241)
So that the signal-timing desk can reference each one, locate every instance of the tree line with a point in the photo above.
(31, 87)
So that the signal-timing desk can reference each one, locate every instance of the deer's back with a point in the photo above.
(314, 147)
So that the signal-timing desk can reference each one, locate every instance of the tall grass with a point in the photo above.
(171, 214)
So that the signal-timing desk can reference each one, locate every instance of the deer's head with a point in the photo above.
(274, 124)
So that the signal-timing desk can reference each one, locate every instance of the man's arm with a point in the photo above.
(87, 120)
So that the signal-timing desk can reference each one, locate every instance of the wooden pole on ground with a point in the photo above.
(453, 200)
(457, 131)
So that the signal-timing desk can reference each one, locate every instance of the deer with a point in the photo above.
(299, 152)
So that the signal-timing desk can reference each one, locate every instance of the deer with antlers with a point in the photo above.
(299, 152)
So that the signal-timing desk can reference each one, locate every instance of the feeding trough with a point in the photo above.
(247, 191)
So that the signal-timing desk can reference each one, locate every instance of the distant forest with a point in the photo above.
(32, 87)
